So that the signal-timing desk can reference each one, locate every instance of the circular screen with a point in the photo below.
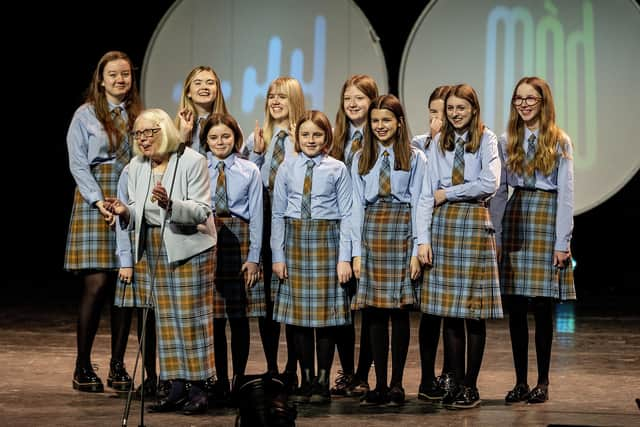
(588, 51)
(251, 43)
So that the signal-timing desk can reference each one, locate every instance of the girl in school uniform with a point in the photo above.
(534, 227)
(387, 176)
(201, 95)
(456, 239)
(432, 388)
(268, 146)
(236, 197)
(357, 93)
(311, 250)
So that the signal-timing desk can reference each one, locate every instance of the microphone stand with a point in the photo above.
(145, 312)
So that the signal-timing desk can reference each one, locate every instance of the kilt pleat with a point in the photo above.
(91, 244)
(231, 299)
(387, 243)
(528, 240)
(183, 301)
(463, 281)
(311, 296)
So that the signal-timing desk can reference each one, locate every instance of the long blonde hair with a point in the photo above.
(365, 84)
(292, 88)
(218, 106)
(549, 135)
(401, 143)
(476, 127)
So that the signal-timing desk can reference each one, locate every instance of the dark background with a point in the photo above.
(58, 69)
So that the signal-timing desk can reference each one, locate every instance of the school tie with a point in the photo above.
(276, 158)
(457, 172)
(530, 178)
(197, 129)
(427, 142)
(123, 151)
(222, 204)
(356, 143)
(385, 176)
(305, 206)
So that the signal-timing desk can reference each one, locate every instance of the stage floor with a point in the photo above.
(595, 377)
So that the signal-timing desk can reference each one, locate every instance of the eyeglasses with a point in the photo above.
(146, 132)
(528, 100)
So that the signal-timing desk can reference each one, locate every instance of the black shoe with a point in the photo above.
(520, 393)
(119, 378)
(85, 379)
(467, 398)
(320, 390)
(357, 387)
(164, 387)
(166, 405)
(452, 391)
(290, 381)
(396, 396)
(342, 383)
(302, 394)
(539, 394)
(197, 405)
(431, 391)
(150, 388)
(447, 382)
(374, 398)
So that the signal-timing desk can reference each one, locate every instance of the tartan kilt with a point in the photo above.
(528, 240)
(183, 301)
(463, 281)
(91, 244)
(136, 293)
(387, 243)
(231, 299)
(311, 296)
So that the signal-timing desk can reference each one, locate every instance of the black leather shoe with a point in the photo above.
(150, 388)
(197, 405)
(467, 398)
(431, 392)
(539, 394)
(119, 378)
(396, 396)
(520, 393)
(166, 405)
(85, 379)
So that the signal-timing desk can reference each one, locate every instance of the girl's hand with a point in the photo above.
(344, 271)
(356, 266)
(415, 268)
(280, 270)
(251, 273)
(258, 139)
(425, 254)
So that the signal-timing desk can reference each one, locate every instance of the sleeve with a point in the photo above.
(357, 207)
(564, 213)
(425, 205)
(278, 208)
(256, 220)
(415, 187)
(498, 203)
(78, 148)
(196, 207)
(345, 201)
(123, 240)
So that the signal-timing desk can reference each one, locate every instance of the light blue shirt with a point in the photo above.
(405, 188)
(330, 199)
(481, 178)
(244, 196)
(88, 145)
(419, 141)
(263, 160)
(560, 179)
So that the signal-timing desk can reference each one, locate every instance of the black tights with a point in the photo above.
(99, 286)
(379, 335)
(239, 346)
(345, 342)
(429, 338)
(454, 343)
(519, 330)
(324, 348)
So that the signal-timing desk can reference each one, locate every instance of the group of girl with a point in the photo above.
(310, 224)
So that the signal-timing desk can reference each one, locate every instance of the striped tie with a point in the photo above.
(457, 172)
(356, 143)
(276, 158)
(123, 151)
(385, 176)
(427, 142)
(305, 206)
(530, 178)
(222, 205)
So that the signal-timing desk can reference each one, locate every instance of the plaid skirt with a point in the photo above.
(183, 301)
(387, 243)
(136, 293)
(311, 296)
(270, 281)
(528, 240)
(91, 244)
(231, 299)
(463, 280)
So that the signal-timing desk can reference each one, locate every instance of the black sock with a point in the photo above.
(429, 336)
